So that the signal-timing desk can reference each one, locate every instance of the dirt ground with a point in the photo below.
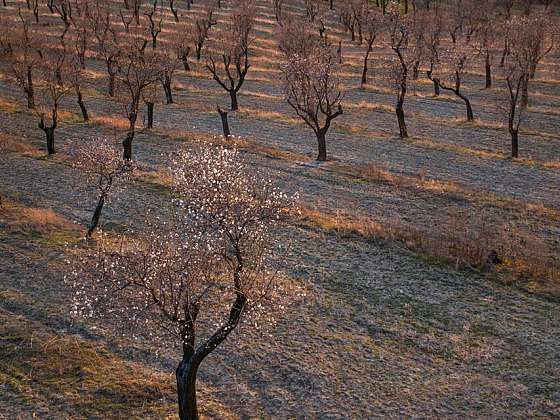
(383, 332)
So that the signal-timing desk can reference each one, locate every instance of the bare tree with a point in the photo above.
(182, 40)
(449, 71)
(167, 65)
(52, 72)
(193, 278)
(100, 160)
(487, 37)
(21, 48)
(432, 39)
(523, 34)
(155, 22)
(75, 76)
(373, 27)
(230, 66)
(107, 41)
(136, 70)
(311, 76)
(202, 26)
(400, 30)
(312, 9)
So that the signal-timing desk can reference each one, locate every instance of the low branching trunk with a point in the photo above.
(96, 216)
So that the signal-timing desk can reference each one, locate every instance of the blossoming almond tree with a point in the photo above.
(100, 160)
(192, 278)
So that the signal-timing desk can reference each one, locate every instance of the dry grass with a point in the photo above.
(42, 224)
(460, 238)
(22, 146)
(80, 377)
(115, 122)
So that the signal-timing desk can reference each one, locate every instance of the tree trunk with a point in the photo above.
(49, 133)
(488, 71)
(225, 124)
(525, 94)
(166, 82)
(322, 146)
(470, 115)
(186, 389)
(185, 62)
(365, 70)
(30, 90)
(403, 133)
(96, 215)
(234, 104)
(82, 105)
(514, 142)
(150, 106)
(111, 85)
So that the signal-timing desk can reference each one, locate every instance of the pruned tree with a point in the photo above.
(136, 70)
(312, 9)
(372, 28)
(401, 42)
(52, 73)
(21, 49)
(194, 277)
(63, 8)
(202, 26)
(230, 65)
(75, 76)
(311, 74)
(107, 41)
(182, 41)
(487, 37)
(154, 22)
(432, 38)
(450, 68)
(173, 8)
(167, 66)
(100, 160)
(518, 65)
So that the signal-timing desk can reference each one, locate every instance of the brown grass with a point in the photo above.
(464, 240)
(22, 146)
(82, 377)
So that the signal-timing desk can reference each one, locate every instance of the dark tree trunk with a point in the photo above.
(186, 65)
(403, 133)
(525, 94)
(470, 115)
(30, 91)
(127, 145)
(321, 146)
(83, 108)
(96, 215)
(111, 85)
(514, 142)
(225, 124)
(234, 104)
(150, 107)
(166, 82)
(435, 83)
(49, 133)
(488, 68)
(365, 70)
(186, 389)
